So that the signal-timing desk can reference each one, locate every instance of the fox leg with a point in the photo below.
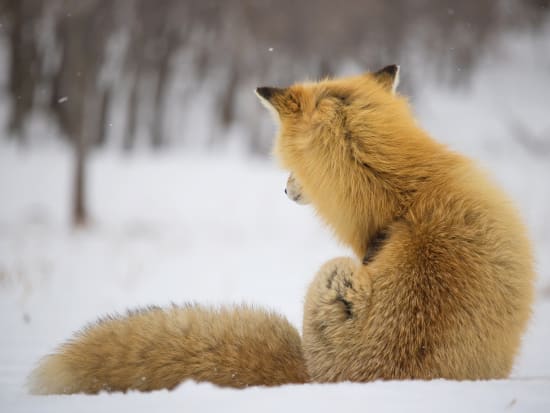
(337, 304)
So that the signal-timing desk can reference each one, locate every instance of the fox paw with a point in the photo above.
(335, 312)
(339, 292)
(339, 284)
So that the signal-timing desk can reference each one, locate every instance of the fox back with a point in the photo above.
(448, 289)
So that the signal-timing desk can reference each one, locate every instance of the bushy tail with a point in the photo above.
(159, 348)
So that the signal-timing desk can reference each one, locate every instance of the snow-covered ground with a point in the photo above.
(218, 229)
(175, 228)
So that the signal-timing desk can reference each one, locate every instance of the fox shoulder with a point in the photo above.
(159, 348)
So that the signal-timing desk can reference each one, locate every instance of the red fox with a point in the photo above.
(441, 284)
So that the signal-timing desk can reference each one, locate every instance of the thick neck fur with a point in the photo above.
(360, 199)
(392, 159)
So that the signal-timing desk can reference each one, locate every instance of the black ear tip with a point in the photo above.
(390, 70)
(265, 92)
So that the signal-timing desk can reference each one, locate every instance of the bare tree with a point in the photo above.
(229, 40)
(82, 33)
(156, 34)
(25, 61)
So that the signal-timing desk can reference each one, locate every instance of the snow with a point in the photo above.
(436, 396)
(214, 228)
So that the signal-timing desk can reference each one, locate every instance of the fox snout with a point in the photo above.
(294, 191)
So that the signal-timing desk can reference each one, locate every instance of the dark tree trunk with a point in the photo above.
(25, 62)
(104, 117)
(133, 101)
(80, 213)
(163, 75)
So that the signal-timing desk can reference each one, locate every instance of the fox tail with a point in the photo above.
(158, 348)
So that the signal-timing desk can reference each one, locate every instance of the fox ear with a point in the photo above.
(267, 96)
(278, 100)
(267, 93)
(388, 77)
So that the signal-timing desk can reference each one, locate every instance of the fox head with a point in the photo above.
(354, 147)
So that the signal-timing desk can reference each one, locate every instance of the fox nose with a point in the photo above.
(286, 192)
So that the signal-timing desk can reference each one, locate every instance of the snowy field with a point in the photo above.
(180, 227)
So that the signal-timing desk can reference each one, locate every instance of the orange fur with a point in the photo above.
(159, 348)
(441, 286)
(448, 289)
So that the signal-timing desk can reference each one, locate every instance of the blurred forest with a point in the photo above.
(144, 73)
(131, 72)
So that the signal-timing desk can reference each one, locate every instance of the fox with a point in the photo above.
(440, 284)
